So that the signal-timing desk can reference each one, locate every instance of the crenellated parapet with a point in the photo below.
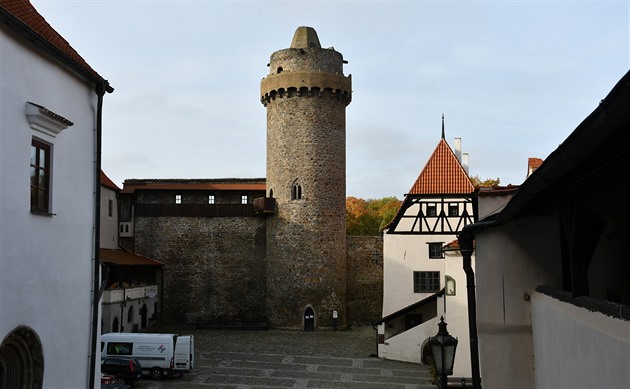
(296, 84)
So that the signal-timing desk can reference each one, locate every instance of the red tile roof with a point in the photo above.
(106, 182)
(443, 174)
(534, 162)
(23, 16)
(245, 184)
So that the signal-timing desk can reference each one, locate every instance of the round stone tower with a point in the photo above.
(306, 95)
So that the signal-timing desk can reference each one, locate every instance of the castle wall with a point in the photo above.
(365, 279)
(214, 268)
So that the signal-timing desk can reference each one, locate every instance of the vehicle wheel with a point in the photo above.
(156, 373)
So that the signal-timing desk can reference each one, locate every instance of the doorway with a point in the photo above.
(309, 319)
(143, 316)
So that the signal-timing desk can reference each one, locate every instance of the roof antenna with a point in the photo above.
(443, 126)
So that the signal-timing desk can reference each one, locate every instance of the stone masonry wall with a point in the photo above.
(214, 268)
(365, 279)
(306, 97)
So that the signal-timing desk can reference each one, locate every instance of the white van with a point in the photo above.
(184, 353)
(155, 352)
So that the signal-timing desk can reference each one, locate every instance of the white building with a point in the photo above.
(422, 282)
(50, 131)
(553, 298)
(132, 282)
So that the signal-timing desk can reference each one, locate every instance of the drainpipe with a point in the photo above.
(101, 88)
(465, 239)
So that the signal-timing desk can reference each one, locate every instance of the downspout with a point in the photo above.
(101, 88)
(466, 247)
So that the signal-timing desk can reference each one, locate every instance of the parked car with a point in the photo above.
(127, 369)
(107, 378)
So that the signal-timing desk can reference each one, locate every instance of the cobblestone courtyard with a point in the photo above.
(292, 359)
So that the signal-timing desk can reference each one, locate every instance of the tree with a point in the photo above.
(368, 217)
(487, 183)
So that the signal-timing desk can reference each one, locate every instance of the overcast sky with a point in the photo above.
(513, 79)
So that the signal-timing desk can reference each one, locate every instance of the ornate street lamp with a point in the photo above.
(443, 348)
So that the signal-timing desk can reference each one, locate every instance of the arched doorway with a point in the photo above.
(21, 360)
(143, 316)
(115, 324)
(309, 319)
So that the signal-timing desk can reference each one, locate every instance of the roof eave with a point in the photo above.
(610, 115)
(51, 49)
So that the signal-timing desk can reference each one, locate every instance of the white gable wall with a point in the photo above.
(46, 261)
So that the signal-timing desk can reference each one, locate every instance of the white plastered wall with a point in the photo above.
(512, 260)
(402, 255)
(576, 348)
(109, 224)
(46, 261)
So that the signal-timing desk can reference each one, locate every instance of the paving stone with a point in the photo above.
(290, 359)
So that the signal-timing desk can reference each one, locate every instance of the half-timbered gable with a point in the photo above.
(416, 269)
(440, 200)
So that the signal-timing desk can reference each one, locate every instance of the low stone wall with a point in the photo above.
(365, 279)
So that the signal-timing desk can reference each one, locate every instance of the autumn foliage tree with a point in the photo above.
(487, 183)
(368, 217)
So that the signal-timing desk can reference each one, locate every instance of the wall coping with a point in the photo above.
(617, 311)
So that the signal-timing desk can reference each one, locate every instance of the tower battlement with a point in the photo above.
(295, 84)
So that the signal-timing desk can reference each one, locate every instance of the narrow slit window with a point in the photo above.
(296, 192)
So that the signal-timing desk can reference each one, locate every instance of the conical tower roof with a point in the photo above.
(305, 38)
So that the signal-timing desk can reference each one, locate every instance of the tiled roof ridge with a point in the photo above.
(442, 174)
(23, 12)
